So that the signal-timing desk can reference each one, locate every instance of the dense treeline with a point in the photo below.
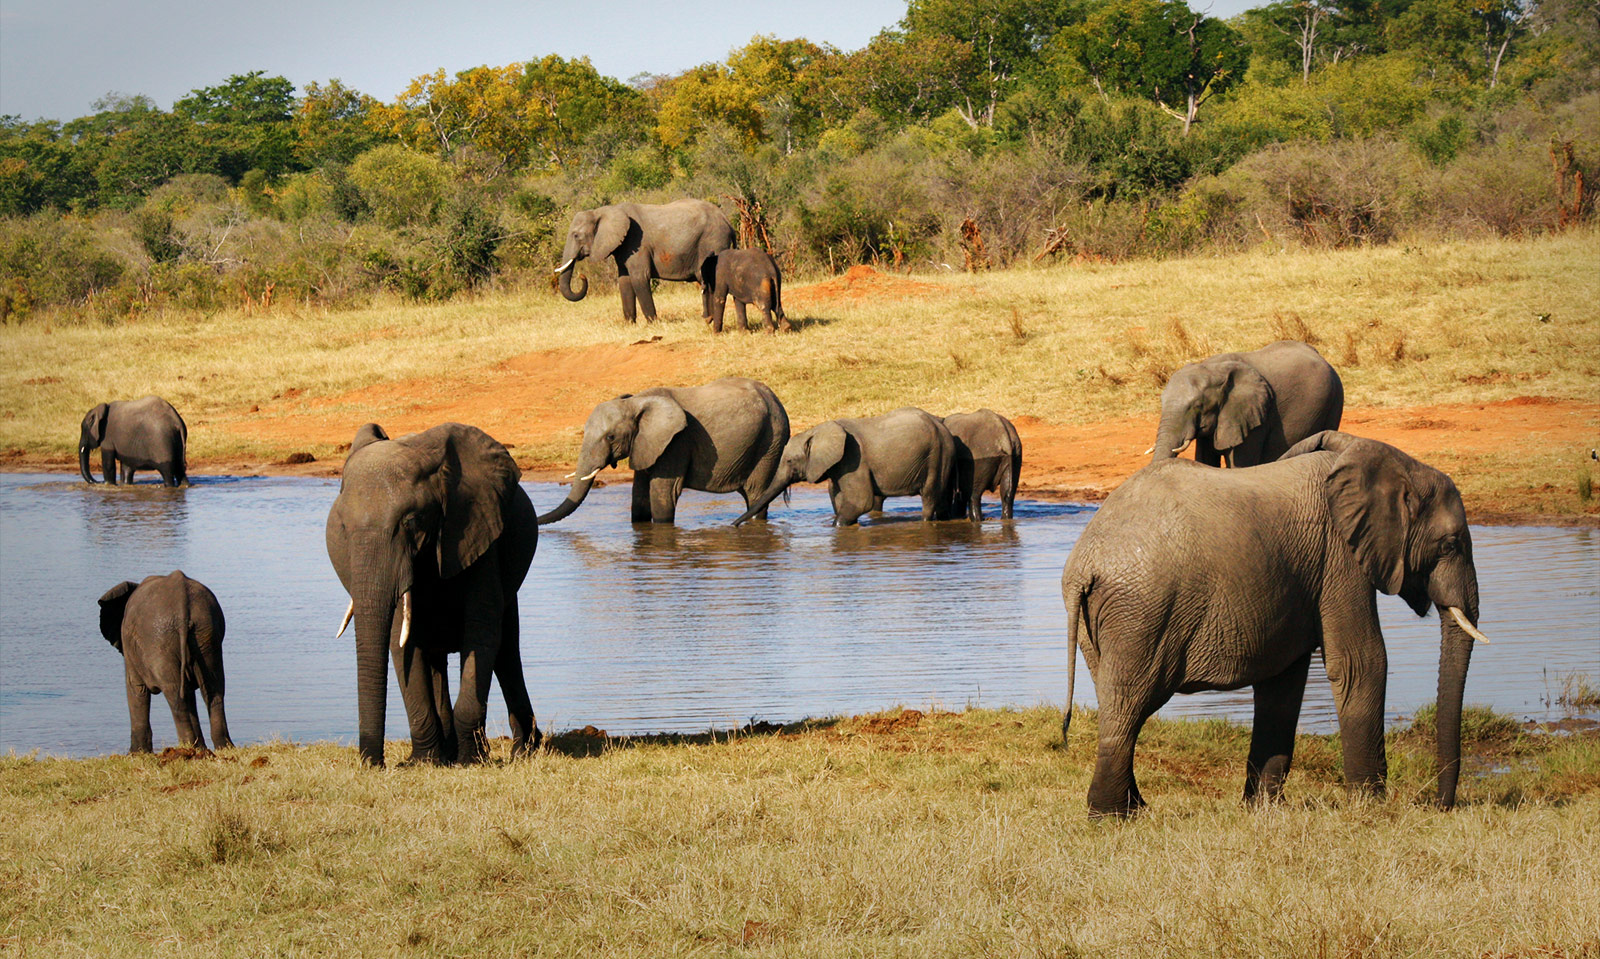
(966, 136)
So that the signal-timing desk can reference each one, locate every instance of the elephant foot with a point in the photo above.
(527, 747)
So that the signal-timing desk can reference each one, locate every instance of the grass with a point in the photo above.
(950, 834)
(1465, 322)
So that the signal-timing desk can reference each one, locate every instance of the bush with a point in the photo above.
(50, 261)
(401, 187)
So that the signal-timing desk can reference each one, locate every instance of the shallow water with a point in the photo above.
(648, 629)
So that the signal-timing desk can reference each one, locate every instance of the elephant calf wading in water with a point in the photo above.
(169, 632)
(1190, 578)
(1248, 407)
(142, 434)
(673, 241)
(988, 459)
(722, 437)
(432, 536)
(908, 452)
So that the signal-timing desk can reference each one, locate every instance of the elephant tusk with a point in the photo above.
(1466, 627)
(570, 475)
(563, 267)
(344, 624)
(405, 622)
(1148, 451)
(1182, 448)
(585, 479)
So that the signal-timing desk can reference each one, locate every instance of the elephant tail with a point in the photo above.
(1075, 597)
(186, 640)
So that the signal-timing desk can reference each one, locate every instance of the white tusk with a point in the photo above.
(1468, 628)
(405, 623)
(563, 267)
(344, 624)
(1148, 451)
(1183, 447)
(570, 475)
(585, 479)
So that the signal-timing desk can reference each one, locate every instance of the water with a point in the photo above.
(649, 629)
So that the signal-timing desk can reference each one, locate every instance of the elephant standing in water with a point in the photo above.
(1191, 578)
(722, 437)
(142, 434)
(904, 453)
(1248, 407)
(169, 631)
(988, 459)
(431, 536)
(674, 241)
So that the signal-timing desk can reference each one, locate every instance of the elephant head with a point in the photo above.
(421, 508)
(1407, 529)
(815, 455)
(593, 234)
(1218, 401)
(112, 606)
(90, 435)
(632, 428)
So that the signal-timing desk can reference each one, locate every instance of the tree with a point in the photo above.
(247, 120)
(1301, 22)
(330, 124)
(1466, 37)
(907, 79)
(567, 101)
(1157, 49)
(1004, 36)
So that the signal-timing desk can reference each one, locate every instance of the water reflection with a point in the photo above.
(640, 628)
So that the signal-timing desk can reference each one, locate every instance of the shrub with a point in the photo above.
(51, 261)
(401, 187)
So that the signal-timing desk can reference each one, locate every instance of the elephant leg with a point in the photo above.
(1358, 668)
(1272, 737)
(108, 466)
(125, 472)
(1113, 791)
(847, 509)
(443, 710)
(744, 318)
(212, 686)
(664, 493)
(525, 735)
(139, 716)
(719, 306)
(647, 300)
(877, 505)
(629, 309)
(477, 668)
(185, 716)
(412, 671)
(640, 512)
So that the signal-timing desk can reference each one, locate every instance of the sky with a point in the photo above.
(58, 56)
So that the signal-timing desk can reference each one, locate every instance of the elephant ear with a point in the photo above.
(112, 605)
(368, 434)
(611, 231)
(94, 424)
(824, 450)
(477, 478)
(1373, 505)
(1245, 407)
(660, 419)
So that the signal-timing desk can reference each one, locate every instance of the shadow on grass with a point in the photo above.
(589, 741)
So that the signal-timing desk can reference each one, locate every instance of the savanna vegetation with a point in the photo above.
(963, 137)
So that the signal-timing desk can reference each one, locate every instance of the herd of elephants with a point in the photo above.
(1189, 577)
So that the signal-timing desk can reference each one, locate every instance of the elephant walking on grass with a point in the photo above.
(988, 459)
(908, 452)
(169, 631)
(752, 278)
(673, 241)
(432, 536)
(1191, 578)
(722, 437)
(132, 435)
(1248, 408)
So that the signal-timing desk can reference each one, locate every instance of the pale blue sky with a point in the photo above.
(58, 56)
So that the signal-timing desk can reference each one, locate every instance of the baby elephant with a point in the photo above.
(988, 459)
(751, 277)
(131, 435)
(169, 631)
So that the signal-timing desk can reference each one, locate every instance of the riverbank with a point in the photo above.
(901, 833)
(1479, 358)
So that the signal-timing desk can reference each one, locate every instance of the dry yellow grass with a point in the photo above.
(959, 835)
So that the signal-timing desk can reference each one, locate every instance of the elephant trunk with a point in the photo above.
(590, 463)
(1455, 652)
(1176, 432)
(83, 464)
(374, 617)
(780, 485)
(565, 283)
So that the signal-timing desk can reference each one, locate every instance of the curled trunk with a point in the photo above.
(779, 486)
(575, 497)
(565, 285)
(1177, 430)
(83, 464)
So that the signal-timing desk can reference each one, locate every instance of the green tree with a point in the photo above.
(1003, 36)
(248, 122)
(401, 186)
(567, 102)
(330, 124)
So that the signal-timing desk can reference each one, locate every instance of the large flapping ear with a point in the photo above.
(1373, 505)
(368, 434)
(94, 424)
(476, 480)
(112, 605)
(1244, 408)
(609, 234)
(660, 419)
(824, 450)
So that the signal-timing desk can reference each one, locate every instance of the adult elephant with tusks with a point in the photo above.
(431, 536)
(133, 435)
(672, 241)
(1190, 578)
(1248, 408)
(722, 437)
(908, 452)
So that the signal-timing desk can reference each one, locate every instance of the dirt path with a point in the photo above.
(532, 398)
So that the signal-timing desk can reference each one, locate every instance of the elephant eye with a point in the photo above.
(1450, 546)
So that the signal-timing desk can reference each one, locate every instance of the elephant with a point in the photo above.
(432, 536)
(1248, 407)
(988, 459)
(720, 437)
(673, 241)
(1190, 578)
(908, 452)
(132, 435)
(751, 277)
(169, 631)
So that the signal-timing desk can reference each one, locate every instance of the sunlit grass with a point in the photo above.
(896, 834)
